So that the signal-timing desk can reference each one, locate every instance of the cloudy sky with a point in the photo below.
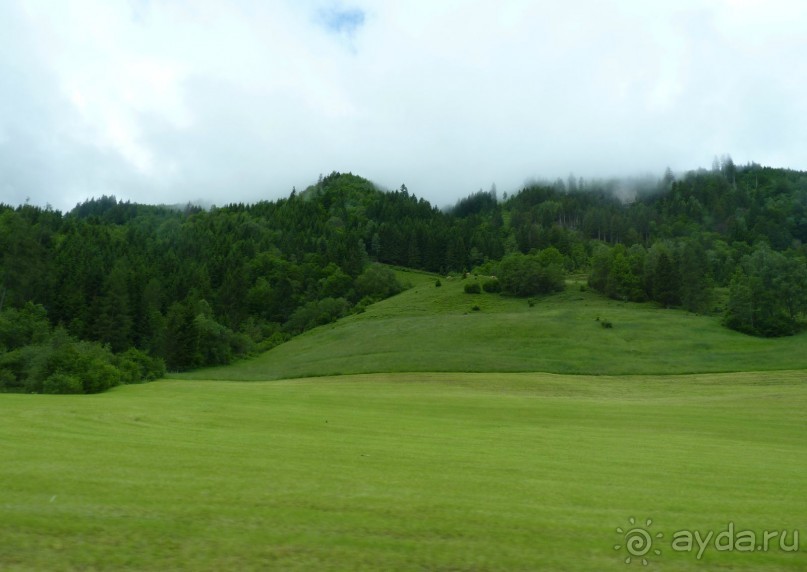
(240, 100)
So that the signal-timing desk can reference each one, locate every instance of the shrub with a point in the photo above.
(99, 376)
(129, 372)
(337, 284)
(472, 288)
(606, 324)
(437, 283)
(377, 282)
(89, 362)
(488, 268)
(62, 383)
(476, 308)
(7, 379)
(527, 275)
(214, 341)
(316, 313)
(551, 256)
(137, 366)
(272, 341)
(492, 286)
(361, 305)
(14, 367)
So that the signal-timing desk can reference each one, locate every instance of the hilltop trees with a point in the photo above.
(198, 287)
(195, 287)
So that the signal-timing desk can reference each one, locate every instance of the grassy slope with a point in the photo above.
(422, 471)
(433, 329)
(400, 472)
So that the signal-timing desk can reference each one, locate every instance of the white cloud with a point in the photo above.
(171, 100)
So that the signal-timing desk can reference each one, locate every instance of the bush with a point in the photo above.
(377, 282)
(606, 324)
(473, 288)
(272, 341)
(7, 379)
(336, 284)
(100, 376)
(137, 366)
(129, 372)
(488, 268)
(361, 305)
(214, 341)
(14, 367)
(62, 383)
(492, 286)
(551, 256)
(523, 275)
(316, 313)
(56, 362)
(89, 362)
(476, 309)
(437, 283)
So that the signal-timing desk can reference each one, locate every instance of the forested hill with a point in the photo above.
(130, 287)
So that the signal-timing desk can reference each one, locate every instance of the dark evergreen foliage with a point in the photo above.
(198, 287)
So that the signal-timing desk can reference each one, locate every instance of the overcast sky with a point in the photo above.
(240, 100)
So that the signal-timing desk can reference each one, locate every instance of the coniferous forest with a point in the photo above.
(114, 292)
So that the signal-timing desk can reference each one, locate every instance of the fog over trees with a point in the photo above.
(115, 292)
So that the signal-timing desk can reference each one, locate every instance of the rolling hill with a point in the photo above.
(431, 329)
(419, 463)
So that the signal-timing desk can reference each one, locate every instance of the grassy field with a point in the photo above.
(415, 462)
(402, 472)
(430, 329)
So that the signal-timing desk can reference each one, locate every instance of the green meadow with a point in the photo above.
(431, 329)
(424, 435)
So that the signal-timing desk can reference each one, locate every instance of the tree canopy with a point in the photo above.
(190, 287)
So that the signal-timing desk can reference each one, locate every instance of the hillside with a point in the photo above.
(424, 466)
(134, 290)
(430, 329)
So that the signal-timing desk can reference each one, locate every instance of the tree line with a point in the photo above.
(187, 287)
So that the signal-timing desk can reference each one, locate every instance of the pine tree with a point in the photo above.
(666, 286)
(113, 323)
(696, 287)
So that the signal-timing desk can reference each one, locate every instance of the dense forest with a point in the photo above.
(114, 292)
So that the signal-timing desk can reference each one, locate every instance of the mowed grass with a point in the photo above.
(421, 464)
(402, 472)
(427, 329)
